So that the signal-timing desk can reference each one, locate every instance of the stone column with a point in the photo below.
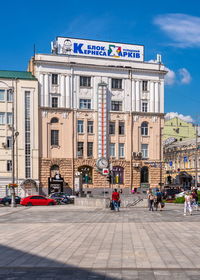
(156, 97)
(41, 92)
(46, 90)
(162, 97)
(152, 97)
(133, 96)
(62, 91)
(67, 92)
(137, 96)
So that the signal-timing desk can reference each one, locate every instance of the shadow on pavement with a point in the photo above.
(16, 264)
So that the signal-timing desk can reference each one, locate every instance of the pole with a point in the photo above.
(13, 203)
(196, 155)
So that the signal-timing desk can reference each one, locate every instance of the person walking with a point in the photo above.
(187, 203)
(151, 198)
(116, 199)
(158, 200)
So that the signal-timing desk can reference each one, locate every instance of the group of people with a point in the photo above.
(155, 200)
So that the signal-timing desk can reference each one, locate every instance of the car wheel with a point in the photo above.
(51, 203)
(6, 203)
(29, 204)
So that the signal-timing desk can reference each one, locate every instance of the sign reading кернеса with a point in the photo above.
(100, 49)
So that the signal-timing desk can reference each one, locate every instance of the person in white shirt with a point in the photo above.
(187, 203)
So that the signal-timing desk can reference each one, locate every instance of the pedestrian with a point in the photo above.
(116, 199)
(158, 200)
(151, 198)
(194, 195)
(187, 203)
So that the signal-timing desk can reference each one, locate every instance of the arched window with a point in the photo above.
(54, 170)
(144, 174)
(117, 175)
(144, 129)
(54, 120)
(86, 172)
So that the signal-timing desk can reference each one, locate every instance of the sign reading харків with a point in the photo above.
(71, 46)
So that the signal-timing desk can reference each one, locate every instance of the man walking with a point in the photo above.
(187, 204)
(115, 199)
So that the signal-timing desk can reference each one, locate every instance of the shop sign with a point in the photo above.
(81, 47)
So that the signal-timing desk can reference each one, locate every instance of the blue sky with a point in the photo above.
(170, 28)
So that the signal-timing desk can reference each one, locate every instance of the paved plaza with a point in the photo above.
(69, 242)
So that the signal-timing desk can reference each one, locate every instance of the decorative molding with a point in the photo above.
(87, 115)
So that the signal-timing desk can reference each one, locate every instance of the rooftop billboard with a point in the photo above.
(82, 47)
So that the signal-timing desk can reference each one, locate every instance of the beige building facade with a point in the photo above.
(99, 114)
(19, 98)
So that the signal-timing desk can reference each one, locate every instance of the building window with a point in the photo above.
(80, 126)
(54, 79)
(27, 135)
(117, 175)
(85, 104)
(144, 129)
(121, 150)
(144, 107)
(86, 172)
(116, 83)
(54, 137)
(54, 120)
(2, 118)
(116, 105)
(9, 142)
(121, 128)
(80, 149)
(90, 127)
(54, 102)
(144, 174)
(144, 85)
(9, 95)
(112, 128)
(112, 149)
(85, 81)
(2, 95)
(9, 118)
(9, 165)
(144, 150)
(90, 149)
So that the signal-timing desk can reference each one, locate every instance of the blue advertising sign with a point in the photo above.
(170, 163)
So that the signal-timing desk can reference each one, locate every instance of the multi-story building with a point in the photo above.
(178, 129)
(183, 158)
(19, 132)
(101, 106)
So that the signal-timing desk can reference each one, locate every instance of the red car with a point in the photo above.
(33, 200)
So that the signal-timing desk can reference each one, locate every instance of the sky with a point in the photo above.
(170, 28)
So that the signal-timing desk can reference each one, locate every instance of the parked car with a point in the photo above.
(61, 198)
(7, 200)
(34, 200)
(181, 194)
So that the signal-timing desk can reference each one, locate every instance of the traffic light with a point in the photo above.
(109, 178)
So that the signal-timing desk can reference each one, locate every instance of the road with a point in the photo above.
(69, 242)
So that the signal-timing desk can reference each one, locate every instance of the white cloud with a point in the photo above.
(183, 29)
(185, 77)
(172, 115)
(170, 77)
(181, 76)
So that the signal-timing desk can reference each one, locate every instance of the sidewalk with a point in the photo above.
(59, 242)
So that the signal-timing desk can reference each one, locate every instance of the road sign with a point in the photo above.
(185, 159)
(105, 171)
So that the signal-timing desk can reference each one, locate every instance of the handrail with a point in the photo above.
(135, 202)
